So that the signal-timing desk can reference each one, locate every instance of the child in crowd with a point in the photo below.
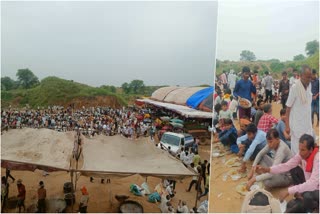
(228, 137)
(281, 128)
(217, 108)
(233, 106)
(267, 121)
(224, 113)
(259, 112)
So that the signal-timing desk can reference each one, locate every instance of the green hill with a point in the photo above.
(56, 91)
(273, 65)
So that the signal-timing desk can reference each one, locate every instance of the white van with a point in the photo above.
(176, 141)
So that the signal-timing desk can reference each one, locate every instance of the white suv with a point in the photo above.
(176, 141)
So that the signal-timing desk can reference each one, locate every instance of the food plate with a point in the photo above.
(242, 188)
(235, 177)
(245, 103)
(215, 154)
(233, 162)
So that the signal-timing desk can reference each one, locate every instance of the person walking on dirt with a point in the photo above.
(21, 195)
(244, 89)
(84, 200)
(42, 194)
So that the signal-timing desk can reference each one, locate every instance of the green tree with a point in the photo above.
(247, 55)
(137, 86)
(125, 87)
(110, 88)
(8, 84)
(26, 78)
(312, 47)
(275, 66)
(299, 57)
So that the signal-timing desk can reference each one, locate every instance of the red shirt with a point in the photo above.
(266, 122)
(22, 191)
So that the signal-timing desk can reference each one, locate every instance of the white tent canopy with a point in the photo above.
(118, 155)
(37, 147)
(183, 110)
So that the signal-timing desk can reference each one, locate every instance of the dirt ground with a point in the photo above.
(223, 195)
(101, 195)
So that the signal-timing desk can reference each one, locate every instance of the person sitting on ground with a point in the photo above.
(267, 121)
(251, 144)
(282, 154)
(168, 208)
(228, 137)
(281, 128)
(308, 157)
(182, 207)
(84, 200)
(42, 194)
(224, 114)
(217, 108)
(304, 203)
(164, 199)
(21, 195)
(259, 112)
(244, 122)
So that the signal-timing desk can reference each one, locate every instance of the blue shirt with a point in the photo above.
(260, 138)
(315, 87)
(224, 135)
(281, 126)
(244, 88)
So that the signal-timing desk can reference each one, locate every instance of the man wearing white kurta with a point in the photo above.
(232, 80)
(299, 109)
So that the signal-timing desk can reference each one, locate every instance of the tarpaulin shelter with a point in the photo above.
(120, 156)
(180, 109)
(31, 149)
(197, 98)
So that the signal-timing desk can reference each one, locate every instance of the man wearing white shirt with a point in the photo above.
(232, 80)
(294, 78)
(298, 111)
(182, 207)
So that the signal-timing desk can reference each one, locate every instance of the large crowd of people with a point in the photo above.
(129, 122)
(284, 150)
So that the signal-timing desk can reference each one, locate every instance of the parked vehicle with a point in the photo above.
(176, 141)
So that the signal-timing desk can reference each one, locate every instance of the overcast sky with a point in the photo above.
(270, 29)
(96, 43)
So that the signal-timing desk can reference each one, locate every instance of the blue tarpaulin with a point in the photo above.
(199, 96)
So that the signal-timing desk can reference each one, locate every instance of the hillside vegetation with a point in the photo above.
(274, 65)
(55, 91)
